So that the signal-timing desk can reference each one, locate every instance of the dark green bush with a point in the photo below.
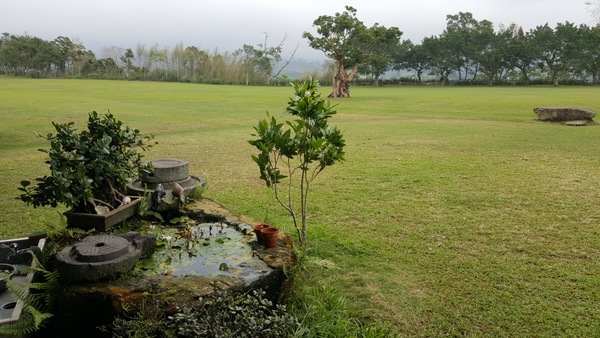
(222, 314)
(88, 167)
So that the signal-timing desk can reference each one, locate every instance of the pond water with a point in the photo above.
(205, 249)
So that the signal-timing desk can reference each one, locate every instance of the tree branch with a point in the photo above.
(286, 63)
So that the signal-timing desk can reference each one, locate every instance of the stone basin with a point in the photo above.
(166, 172)
(176, 275)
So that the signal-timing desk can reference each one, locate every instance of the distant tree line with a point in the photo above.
(468, 51)
(471, 51)
(25, 55)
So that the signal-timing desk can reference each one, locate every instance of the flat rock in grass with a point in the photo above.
(564, 114)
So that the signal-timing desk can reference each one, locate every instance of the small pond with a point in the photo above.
(204, 249)
(208, 247)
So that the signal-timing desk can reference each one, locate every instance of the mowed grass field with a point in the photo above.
(455, 214)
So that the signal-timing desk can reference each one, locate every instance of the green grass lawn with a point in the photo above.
(455, 214)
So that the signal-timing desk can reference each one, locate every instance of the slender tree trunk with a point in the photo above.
(525, 75)
(304, 184)
(444, 78)
(475, 74)
(595, 78)
(555, 79)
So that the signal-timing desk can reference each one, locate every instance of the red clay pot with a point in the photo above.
(269, 236)
(257, 228)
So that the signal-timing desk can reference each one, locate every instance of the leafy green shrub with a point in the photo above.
(298, 151)
(222, 314)
(89, 167)
(146, 323)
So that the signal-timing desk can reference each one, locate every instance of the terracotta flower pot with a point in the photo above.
(257, 228)
(269, 236)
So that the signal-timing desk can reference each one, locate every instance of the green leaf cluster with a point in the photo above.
(305, 145)
(92, 165)
(222, 314)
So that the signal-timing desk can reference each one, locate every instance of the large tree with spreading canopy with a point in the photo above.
(349, 43)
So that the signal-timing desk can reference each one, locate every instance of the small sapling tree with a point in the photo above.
(292, 154)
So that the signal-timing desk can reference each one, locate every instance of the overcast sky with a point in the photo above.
(229, 24)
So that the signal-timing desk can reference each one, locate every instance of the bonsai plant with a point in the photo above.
(89, 170)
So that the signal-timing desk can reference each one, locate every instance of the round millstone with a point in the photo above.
(101, 248)
(167, 170)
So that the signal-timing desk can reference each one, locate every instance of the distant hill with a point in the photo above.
(300, 67)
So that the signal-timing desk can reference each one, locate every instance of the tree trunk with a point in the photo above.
(341, 80)
(340, 88)
(555, 79)
(444, 78)
(525, 76)
(475, 72)
(419, 73)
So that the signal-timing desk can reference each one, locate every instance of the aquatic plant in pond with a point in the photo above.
(203, 249)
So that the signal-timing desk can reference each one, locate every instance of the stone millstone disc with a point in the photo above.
(167, 170)
(101, 248)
